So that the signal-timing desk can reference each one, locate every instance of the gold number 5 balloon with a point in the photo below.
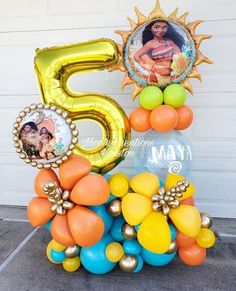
(54, 66)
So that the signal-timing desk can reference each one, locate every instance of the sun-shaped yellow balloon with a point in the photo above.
(160, 50)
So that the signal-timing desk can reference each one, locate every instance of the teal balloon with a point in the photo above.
(105, 216)
(48, 225)
(173, 231)
(132, 247)
(111, 198)
(94, 258)
(137, 227)
(116, 229)
(57, 257)
(140, 264)
(157, 260)
(107, 176)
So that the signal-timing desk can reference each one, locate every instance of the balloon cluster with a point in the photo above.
(136, 231)
(162, 111)
(102, 221)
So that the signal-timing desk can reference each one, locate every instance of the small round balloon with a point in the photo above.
(163, 153)
(174, 95)
(151, 97)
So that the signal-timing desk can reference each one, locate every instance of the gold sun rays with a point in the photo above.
(157, 12)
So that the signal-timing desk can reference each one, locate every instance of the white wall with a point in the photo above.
(28, 24)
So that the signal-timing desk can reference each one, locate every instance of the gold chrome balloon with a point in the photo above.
(128, 263)
(71, 251)
(173, 247)
(114, 208)
(54, 66)
(206, 220)
(129, 232)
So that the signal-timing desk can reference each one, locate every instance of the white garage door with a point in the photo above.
(28, 24)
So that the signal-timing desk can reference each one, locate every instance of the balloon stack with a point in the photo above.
(99, 220)
(162, 111)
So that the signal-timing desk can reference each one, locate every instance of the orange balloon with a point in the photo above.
(44, 176)
(193, 255)
(188, 201)
(140, 119)
(39, 211)
(60, 231)
(184, 241)
(185, 117)
(163, 118)
(73, 170)
(91, 190)
(86, 227)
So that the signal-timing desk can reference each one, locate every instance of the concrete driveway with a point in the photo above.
(24, 266)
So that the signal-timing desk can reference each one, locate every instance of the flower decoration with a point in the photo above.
(64, 200)
(151, 206)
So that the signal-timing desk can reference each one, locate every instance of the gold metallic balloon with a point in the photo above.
(129, 232)
(206, 220)
(71, 251)
(128, 263)
(172, 248)
(55, 65)
(114, 208)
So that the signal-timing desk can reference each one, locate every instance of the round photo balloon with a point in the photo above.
(43, 136)
(159, 52)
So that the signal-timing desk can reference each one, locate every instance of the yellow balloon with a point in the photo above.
(187, 219)
(114, 252)
(154, 233)
(55, 65)
(71, 264)
(119, 185)
(145, 183)
(56, 246)
(48, 250)
(135, 208)
(119, 175)
(206, 238)
(172, 179)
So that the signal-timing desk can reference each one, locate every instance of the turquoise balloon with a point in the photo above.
(116, 229)
(140, 264)
(111, 198)
(48, 225)
(132, 247)
(151, 97)
(94, 258)
(57, 257)
(173, 231)
(157, 260)
(137, 227)
(174, 95)
(105, 216)
(107, 176)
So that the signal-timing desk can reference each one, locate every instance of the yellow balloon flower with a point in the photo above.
(151, 204)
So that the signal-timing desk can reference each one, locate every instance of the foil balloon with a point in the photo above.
(163, 153)
(159, 50)
(54, 66)
(43, 136)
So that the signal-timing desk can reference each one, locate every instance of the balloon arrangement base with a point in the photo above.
(139, 228)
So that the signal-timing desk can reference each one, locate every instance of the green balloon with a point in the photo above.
(174, 95)
(151, 97)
